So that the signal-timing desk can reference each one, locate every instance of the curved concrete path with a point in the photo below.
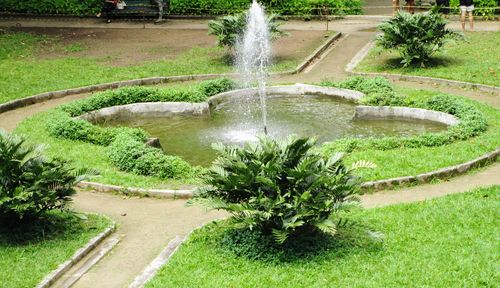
(147, 225)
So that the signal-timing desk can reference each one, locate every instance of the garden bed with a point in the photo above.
(447, 242)
(395, 158)
(474, 60)
(28, 254)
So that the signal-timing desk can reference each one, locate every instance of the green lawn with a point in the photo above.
(474, 60)
(24, 74)
(391, 163)
(447, 242)
(27, 255)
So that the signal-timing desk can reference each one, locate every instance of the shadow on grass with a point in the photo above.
(435, 62)
(31, 231)
(254, 245)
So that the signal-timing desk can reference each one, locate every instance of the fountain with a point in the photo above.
(253, 55)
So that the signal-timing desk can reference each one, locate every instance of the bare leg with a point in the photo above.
(471, 21)
(395, 7)
(462, 19)
(160, 10)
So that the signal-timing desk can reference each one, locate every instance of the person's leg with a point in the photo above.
(471, 20)
(395, 7)
(462, 17)
(159, 3)
(411, 6)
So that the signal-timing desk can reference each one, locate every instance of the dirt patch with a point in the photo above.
(123, 47)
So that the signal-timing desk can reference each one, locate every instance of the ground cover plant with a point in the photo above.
(415, 36)
(281, 188)
(446, 242)
(126, 145)
(228, 28)
(30, 252)
(31, 184)
(26, 70)
(395, 162)
(473, 60)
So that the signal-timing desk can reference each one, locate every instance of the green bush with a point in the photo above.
(126, 145)
(229, 28)
(415, 36)
(32, 185)
(280, 188)
(485, 8)
(131, 155)
(66, 7)
(472, 121)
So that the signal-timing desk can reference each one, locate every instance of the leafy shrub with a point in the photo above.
(131, 155)
(472, 121)
(416, 37)
(127, 150)
(229, 28)
(280, 188)
(31, 184)
(485, 8)
(66, 7)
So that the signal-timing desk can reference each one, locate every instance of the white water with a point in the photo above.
(253, 54)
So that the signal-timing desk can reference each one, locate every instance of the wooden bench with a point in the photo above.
(139, 9)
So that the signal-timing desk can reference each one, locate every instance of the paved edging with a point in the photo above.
(79, 254)
(443, 173)
(317, 53)
(422, 79)
(152, 269)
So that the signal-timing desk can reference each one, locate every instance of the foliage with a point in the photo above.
(415, 36)
(419, 250)
(485, 8)
(472, 121)
(31, 184)
(229, 28)
(281, 188)
(126, 145)
(129, 154)
(66, 7)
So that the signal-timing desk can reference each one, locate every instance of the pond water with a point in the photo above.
(237, 122)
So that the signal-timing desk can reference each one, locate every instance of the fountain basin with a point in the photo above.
(233, 117)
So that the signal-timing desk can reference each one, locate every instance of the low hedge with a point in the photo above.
(126, 145)
(380, 92)
(188, 7)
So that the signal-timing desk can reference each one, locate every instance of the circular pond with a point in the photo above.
(236, 122)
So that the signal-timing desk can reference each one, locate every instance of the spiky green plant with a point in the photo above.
(228, 29)
(31, 184)
(281, 187)
(416, 37)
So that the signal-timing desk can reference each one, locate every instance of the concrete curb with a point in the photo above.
(443, 173)
(162, 259)
(421, 79)
(79, 254)
(317, 53)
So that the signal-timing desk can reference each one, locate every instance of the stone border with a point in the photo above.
(374, 112)
(79, 254)
(152, 269)
(23, 102)
(422, 79)
(377, 185)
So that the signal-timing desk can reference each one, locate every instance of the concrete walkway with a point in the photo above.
(147, 225)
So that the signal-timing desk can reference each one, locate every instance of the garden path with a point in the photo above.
(149, 224)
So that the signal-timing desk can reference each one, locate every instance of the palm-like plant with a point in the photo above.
(30, 184)
(228, 29)
(417, 37)
(281, 187)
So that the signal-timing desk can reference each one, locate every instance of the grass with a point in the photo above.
(446, 242)
(23, 74)
(391, 163)
(29, 253)
(474, 60)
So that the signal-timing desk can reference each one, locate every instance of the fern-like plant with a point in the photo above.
(31, 184)
(228, 29)
(416, 36)
(281, 187)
